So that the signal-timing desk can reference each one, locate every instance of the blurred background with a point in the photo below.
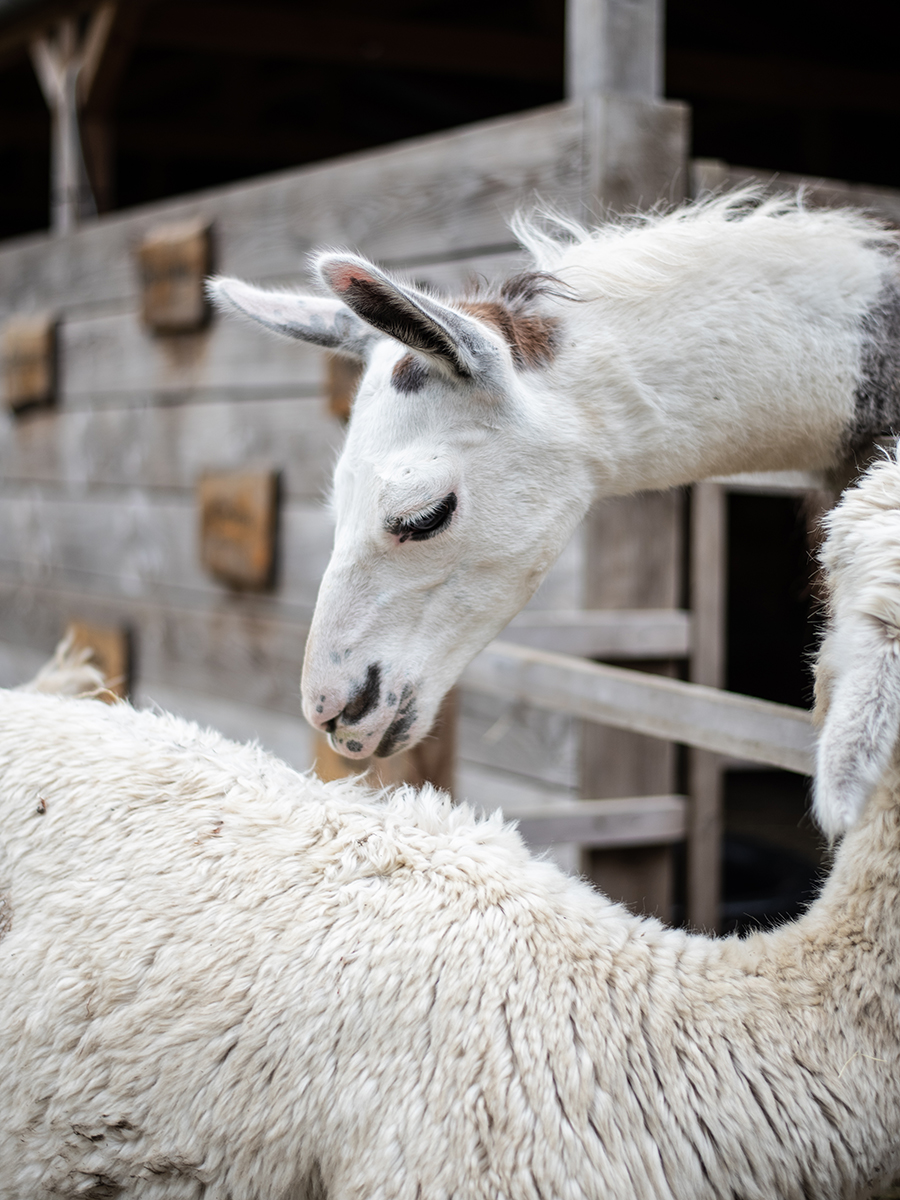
(194, 93)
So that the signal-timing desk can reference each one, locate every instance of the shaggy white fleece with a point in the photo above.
(219, 978)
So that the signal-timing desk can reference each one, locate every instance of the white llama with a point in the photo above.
(222, 978)
(732, 335)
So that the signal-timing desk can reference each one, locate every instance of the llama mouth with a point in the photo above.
(397, 733)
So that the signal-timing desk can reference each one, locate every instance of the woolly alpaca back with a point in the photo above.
(858, 670)
(80, 765)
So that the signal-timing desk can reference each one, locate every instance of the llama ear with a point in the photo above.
(324, 322)
(454, 342)
(862, 721)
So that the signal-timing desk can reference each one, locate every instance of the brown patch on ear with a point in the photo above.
(531, 338)
(409, 374)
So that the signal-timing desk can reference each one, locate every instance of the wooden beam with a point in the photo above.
(614, 46)
(756, 730)
(603, 824)
(708, 562)
(323, 37)
(604, 633)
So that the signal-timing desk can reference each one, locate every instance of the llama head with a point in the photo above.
(453, 495)
(858, 669)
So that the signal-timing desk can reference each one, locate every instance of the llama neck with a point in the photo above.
(660, 395)
(848, 944)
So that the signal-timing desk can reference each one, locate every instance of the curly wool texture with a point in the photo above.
(222, 978)
(858, 688)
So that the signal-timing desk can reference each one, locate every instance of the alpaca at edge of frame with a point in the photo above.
(734, 334)
(220, 976)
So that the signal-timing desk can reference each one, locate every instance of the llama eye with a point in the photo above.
(419, 529)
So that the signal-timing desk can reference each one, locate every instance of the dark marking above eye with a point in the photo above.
(409, 374)
(426, 525)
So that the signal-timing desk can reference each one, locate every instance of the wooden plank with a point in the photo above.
(792, 483)
(168, 446)
(604, 824)
(708, 568)
(238, 513)
(604, 633)
(636, 153)
(614, 46)
(29, 361)
(519, 738)
(224, 647)
(112, 359)
(147, 547)
(19, 664)
(110, 649)
(175, 259)
(446, 195)
(633, 560)
(666, 708)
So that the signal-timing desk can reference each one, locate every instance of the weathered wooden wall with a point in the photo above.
(98, 517)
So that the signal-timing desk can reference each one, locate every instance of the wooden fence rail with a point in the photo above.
(723, 722)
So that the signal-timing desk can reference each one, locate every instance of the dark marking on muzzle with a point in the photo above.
(398, 731)
(365, 698)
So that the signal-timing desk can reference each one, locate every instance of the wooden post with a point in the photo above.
(635, 152)
(633, 556)
(614, 46)
(707, 588)
(65, 65)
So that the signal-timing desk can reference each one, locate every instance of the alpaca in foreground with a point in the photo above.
(219, 977)
(732, 335)
(858, 676)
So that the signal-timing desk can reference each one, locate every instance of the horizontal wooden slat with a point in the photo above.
(606, 633)
(519, 738)
(133, 543)
(448, 195)
(235, 647)
(604, 824)
(169, 446)
(651, 704)
(774, 482)
(114, 355)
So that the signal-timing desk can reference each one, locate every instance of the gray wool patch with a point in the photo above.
(877, 399)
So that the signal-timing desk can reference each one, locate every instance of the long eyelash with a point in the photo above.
(426, 524)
